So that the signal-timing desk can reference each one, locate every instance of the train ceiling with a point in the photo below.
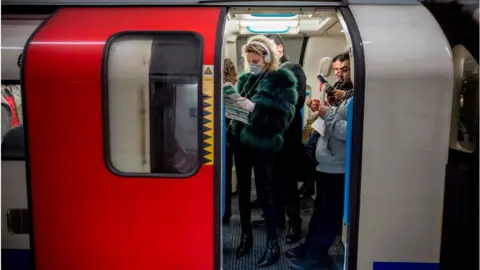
(308, 21)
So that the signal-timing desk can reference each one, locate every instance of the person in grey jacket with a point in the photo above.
(330, 153)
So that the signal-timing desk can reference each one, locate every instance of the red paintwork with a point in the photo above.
(84, 216)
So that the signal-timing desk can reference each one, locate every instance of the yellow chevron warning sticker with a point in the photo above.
(208, 114)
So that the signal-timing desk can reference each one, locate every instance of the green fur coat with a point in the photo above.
(275, 97)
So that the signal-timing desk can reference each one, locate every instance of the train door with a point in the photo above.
(122, 127)
(460, 213)
(406, 127)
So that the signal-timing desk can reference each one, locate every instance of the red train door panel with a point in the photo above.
(123, 138)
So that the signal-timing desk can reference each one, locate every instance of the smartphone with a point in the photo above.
(321, 78)
(328, 88)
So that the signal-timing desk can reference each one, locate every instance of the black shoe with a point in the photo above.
(255, 204)
(270, 256)
(294, 234)
(258, 223)
(226, 220)
(297, 252)
(245, 245)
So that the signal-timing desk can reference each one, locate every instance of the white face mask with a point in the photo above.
(255, 69)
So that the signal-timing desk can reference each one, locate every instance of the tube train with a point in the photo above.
(84, 185)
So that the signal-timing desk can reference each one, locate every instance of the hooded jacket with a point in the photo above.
(331, 148)
(275, 98)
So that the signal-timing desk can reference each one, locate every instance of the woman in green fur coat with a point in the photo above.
(269, 94)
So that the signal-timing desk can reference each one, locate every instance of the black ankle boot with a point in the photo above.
(294, 234)
(245, 246)
(270, 256)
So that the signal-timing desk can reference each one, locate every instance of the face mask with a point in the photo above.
(255, 69)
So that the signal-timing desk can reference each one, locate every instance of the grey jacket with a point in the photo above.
(331, 148)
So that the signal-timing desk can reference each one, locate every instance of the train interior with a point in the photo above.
(312, 38)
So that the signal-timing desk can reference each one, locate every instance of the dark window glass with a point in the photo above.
(18, 221)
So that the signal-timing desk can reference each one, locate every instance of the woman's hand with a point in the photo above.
(246, 104)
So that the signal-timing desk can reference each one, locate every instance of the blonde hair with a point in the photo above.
(257, 49)
(229, 71)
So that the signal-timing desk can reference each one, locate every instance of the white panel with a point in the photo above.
(409, 81)
(231, 52)
(15, 34)
(348, 48)
(14, 195)
(317, 48)
(128, 102)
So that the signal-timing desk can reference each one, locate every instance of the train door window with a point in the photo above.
(12, 120)
(464, 125)
(18, 221)
(153, 101)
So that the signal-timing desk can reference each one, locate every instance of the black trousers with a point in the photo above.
(261, 161)
(327, 218)
(228, 176)
(286, 195)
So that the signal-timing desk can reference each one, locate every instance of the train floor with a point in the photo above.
(231, 238)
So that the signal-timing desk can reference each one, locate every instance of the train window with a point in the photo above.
(154, 103)
(12, 123)
(18, 221)
(464, 126)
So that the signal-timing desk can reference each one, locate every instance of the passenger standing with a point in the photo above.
(340, 86)
(269, 94)
(285, 172)
(308, 187)
(229, 75)
(330, 153)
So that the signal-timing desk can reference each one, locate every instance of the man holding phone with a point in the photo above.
(341, 67)
(330, 154)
